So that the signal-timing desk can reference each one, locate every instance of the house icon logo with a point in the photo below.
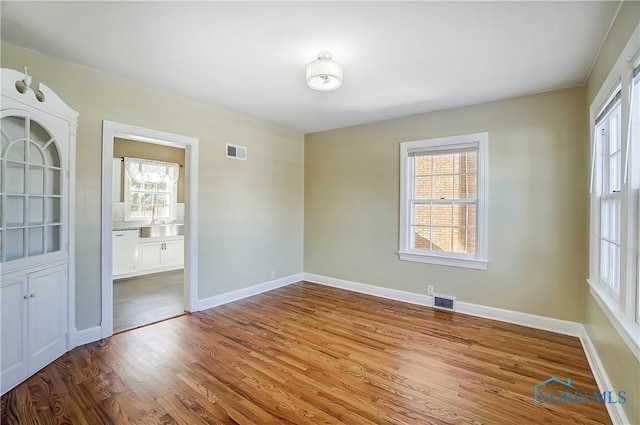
(537, 391)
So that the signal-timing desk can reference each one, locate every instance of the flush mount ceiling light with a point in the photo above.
(325, 74)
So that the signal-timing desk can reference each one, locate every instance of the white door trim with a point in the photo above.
(110, 130)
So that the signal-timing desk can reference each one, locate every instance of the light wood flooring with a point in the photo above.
(146, 299)
(309, 354)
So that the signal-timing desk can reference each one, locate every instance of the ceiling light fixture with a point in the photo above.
(325, 74)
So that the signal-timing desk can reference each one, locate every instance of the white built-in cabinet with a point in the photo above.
(166, 254)
(37, 153)
(133, 256)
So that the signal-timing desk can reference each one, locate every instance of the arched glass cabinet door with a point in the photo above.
(30, 191)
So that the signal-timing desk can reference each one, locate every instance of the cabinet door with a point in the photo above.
(13, 325)
(150, 256)
(47, 315)
(174, 253)
(125, 252)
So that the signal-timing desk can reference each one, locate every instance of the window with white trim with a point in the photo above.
(150, 190)
(634, 169)
(443, 201)
(614, 258)
(608, 190)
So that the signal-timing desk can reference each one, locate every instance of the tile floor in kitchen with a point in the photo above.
(146, 299)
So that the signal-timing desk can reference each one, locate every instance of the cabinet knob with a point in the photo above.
(33, 295)
(26, 297)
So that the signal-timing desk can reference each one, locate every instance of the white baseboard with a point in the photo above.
(85, 336)
(530, 320)
(544, 323)
(239, 294)
(616, 412)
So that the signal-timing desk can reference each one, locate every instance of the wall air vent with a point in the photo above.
(444, 302)
(236, 152)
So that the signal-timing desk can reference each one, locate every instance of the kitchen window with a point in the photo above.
(443, 201)
(150, 190)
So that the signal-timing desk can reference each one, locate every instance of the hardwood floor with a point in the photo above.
(308, 354)
(146, 299)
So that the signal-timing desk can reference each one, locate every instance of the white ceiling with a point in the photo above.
(400, 58)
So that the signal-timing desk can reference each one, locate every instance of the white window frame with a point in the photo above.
(622, 306)
(479, 260)
(173, 197)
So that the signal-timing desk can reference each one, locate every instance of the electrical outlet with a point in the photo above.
(429, 289)
(273, 275)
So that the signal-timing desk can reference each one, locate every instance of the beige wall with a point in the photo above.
(537, 204)
(133, 149)
(250, 212)
(621, 365)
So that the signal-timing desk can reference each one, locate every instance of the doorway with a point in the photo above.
(148, 232)
(160, 276)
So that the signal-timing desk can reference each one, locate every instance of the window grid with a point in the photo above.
(610, 199)
(454, 181)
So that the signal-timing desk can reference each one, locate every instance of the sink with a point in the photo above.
(162, 230)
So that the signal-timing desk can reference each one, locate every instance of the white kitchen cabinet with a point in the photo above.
(150, 256)
(161, 254)
(174, 254)
(125, 253)
(33, 321)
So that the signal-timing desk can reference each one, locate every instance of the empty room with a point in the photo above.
(320, 212)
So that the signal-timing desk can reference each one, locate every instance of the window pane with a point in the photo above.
(443, 187)
(443, 164)
(35, 155)
(422, 215)
(464, 215)
(53, 158)
(466, 186)
(36, 210)
(14, 180)
(422, 188)
(604, 219)
(604, 262)
(441, 239)
(16, 151)
(422, 237)
(53, 210)
(464, 240)
(422, 165)
(38, 134)
(36, 241)
(615, 139)
(13, 127)
(471, 241)
(141, 205)
(14, 214)
(14, 247)
(53, 182)
(163, 206)
(441, 215)
(53, 238)
(36, 180)
(616, 171)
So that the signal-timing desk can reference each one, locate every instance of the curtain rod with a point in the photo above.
(122, 159)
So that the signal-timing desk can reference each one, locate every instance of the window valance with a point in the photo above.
(150, 171)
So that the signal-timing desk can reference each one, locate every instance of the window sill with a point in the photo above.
(629, 330)
(467, 263)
